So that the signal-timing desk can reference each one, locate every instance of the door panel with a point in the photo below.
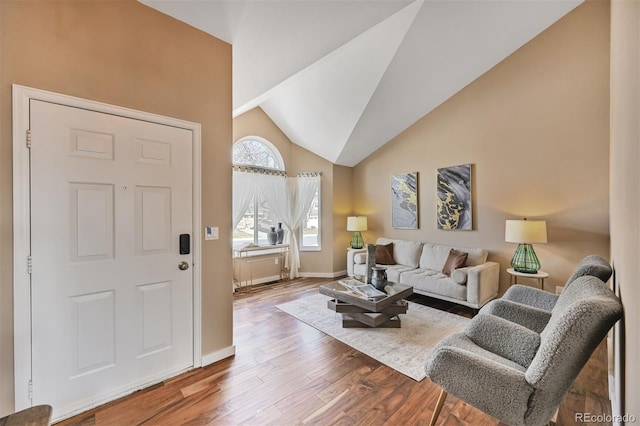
(94, 332)
(153, 220)
(92, 227)
(111, 310)
(153, 152)
(83, 143)
(155, 302)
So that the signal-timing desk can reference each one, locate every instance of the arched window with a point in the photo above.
(257, 151)
(257, 219)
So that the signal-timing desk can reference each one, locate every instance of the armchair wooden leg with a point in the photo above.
(439, 404)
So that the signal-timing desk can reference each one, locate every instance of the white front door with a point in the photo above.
(111, 310)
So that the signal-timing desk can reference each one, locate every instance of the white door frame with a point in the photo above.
(22, 232)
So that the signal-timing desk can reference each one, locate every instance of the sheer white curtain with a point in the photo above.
(289, 200)
(302, 191)
(274, 190)
(244, 188)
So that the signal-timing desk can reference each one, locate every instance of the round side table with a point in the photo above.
(540, 276)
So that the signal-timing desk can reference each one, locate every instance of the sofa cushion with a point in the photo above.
(393, 271)
(384, 254)
(434, 282)
(476, 256)
(455, 260)
(404, 252)
(434, 256)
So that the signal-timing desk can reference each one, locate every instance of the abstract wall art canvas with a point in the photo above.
(454, 197)
(404, 201)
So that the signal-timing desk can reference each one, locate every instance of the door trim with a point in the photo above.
(22, 233)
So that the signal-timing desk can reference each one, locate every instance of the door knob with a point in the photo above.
(183, 266)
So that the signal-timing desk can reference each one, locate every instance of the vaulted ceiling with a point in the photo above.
(342, 78)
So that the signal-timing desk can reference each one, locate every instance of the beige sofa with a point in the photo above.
(420, 265)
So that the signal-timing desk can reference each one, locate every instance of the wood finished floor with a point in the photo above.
(288, 373)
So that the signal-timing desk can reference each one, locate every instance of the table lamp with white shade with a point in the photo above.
(525, 233)
(357, 224)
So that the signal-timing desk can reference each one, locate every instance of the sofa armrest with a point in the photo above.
(531, 296)
(483, 283)
(350, 261)
(533, 318)
(505, 338)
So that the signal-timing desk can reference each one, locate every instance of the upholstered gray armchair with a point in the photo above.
(532, 307)
(515, 374)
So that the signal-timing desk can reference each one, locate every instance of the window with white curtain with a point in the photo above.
(257, 218)
(311, 224)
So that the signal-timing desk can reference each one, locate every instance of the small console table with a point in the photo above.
(243, 255)
(540, 276)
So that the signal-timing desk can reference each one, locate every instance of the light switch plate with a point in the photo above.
(211, 233)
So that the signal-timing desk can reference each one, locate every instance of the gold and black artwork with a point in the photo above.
(454, 197)
(404, 201)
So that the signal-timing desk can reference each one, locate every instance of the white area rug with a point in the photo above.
(403, 349)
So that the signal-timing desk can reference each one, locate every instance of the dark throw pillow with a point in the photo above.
(384, 254)
(455, 260)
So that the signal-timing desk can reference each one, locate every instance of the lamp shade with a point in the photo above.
(356, 223)
(526, 231)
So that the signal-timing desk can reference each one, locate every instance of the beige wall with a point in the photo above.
(535, 128)
(625, 195)
(335, 194)
(342, 205)
(122, 53)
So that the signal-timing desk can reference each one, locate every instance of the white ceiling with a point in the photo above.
(343, 77)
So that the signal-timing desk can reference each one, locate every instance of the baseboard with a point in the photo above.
(218, 355)
(322, 274)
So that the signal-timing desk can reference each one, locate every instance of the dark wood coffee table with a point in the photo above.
(359, 311)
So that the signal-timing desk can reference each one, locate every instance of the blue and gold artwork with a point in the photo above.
(404, 201)
(454, 197)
